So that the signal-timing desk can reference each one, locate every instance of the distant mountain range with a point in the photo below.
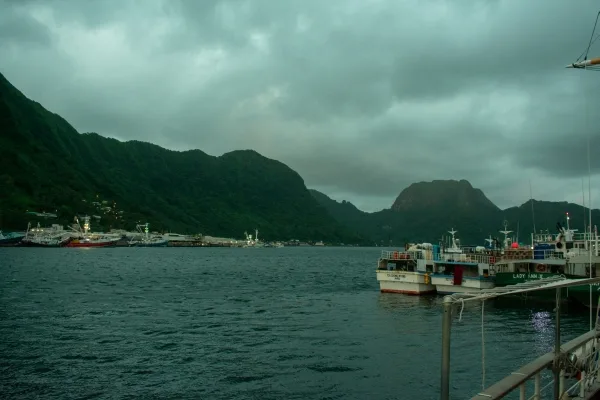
(47, 166)
(426, 211)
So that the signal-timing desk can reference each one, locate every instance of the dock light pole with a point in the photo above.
(446, 328)
(556, 365)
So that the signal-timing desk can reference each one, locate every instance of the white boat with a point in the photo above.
(461, 270)
(144, 239)
(406, 272)
(250, 242)
(179, 238)
(54, 236)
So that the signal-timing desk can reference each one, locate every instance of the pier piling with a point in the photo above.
(446, 328)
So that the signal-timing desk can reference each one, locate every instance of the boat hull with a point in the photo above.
(404, 282)
(513, 278)
(152, 244)
(581, 295)
(444, 284)
(43, 243)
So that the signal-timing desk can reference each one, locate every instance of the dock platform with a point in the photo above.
(575, 365)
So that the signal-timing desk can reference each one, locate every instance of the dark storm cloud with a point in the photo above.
(362, 98)
(19, 27)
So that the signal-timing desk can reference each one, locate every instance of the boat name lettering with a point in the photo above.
(397, 276)
(528, 276)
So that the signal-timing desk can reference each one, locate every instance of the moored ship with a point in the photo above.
(54, 236)
(462, 270)
(406, 272)
(83, 237)
(145, 239)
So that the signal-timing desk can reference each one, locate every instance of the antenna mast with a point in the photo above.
(531, 199)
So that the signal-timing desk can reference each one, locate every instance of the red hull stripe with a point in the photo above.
(105, 244)
(411, 292)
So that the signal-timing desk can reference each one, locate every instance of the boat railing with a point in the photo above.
(545, 237)
(578, 252)
(401, 255)
(567, 362)
(553, 237)
(473, 258)
(574, 359)
(529, 254)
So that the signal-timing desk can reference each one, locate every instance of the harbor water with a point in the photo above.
(264, 323)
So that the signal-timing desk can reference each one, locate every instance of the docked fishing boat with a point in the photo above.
(144, 239)
(567, 253)
(461, 270)
(253, 242)
(408, 271)
(54, 236)
(84, 238)
(544, 258)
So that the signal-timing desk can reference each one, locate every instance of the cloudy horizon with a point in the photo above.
(361, 98)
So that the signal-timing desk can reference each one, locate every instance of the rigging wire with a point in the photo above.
(584, 53)
(592, 35)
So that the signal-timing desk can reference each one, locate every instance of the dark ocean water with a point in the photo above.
(289, 323)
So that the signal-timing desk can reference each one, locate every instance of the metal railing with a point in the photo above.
(553, 237)
(402, 255)
(518, 379)
(528, 254)
(466, 258)
(563, 360)
(478, 257)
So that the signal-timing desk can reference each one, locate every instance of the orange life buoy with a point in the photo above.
(540, 268)
(395, 255)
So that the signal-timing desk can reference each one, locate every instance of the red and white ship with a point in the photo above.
(87, 239)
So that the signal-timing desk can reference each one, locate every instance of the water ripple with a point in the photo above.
(293, 323)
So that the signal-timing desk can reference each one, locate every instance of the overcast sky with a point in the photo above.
(361, 97)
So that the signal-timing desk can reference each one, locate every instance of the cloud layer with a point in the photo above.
(362, 98)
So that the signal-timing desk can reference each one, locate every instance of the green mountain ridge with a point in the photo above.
(426, 211)
(49, 166)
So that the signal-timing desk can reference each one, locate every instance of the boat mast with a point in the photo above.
(592, 65)
(453, 244)
(505, 232)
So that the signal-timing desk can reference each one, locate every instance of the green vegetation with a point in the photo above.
(425, 211)
(48, 166)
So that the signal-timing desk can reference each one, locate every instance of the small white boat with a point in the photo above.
(144, 239)
(406, 272)
(461, 270)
